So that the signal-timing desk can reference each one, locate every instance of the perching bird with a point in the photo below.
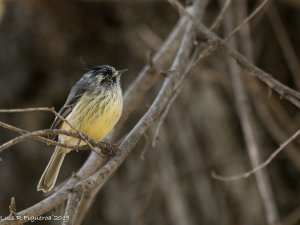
(93, 107)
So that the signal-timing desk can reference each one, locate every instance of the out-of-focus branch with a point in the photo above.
(174, 196)
(246, 117)
(260, 166)
(220, 17)
(246, 21)
(293, 217)
(265, 163)
(284, 91)
(293, 3)
(285, 43)
(121, 1)
(276, 131)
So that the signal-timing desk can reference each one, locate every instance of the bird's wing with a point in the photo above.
(73, 98)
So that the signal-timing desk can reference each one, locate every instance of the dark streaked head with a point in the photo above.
(103, 74)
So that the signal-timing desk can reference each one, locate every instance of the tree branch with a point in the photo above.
(162, 99)
(131, 100)
(261, 166)
(246, 118)
(284, 91)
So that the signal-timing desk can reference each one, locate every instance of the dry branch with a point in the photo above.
(82, 188)
(144, 81)
(262, 165)
(247, 120)
(131, 99)
(177, 70)
(284, 91)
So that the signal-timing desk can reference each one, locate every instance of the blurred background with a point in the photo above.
(41, 44)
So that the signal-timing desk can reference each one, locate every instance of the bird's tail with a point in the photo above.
(50, 174)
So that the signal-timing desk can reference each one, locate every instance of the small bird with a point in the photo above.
(93, 107)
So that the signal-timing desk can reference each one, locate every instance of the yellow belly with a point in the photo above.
(94, 116)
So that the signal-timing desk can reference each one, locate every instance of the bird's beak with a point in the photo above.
(122, 71)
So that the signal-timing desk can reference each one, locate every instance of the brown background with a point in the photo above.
(41, 43)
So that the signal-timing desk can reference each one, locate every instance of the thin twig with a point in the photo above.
(37, 134)
(38, 109)
(41, 109)
(285, 43)
(105, 151)
(52, 110)
(146, 146)
(40, 138)
(261, 166)
(245, 21)
(284, 91)
(220, 17)
(245, 113)
(274, 129)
